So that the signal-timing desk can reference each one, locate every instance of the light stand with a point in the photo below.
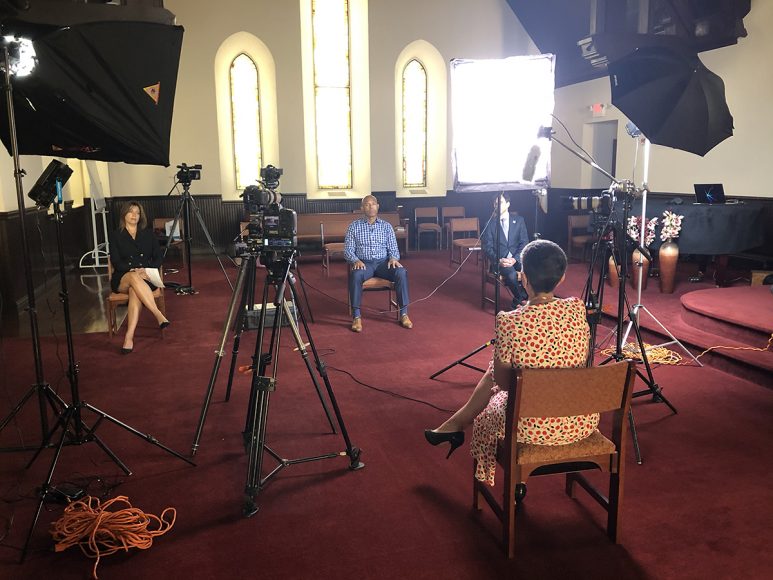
(74, 431)
(640, 264)
(46, 395)
(184, 208)
(463, 361)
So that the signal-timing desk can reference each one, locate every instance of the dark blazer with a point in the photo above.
(517, 238)
(126, 253)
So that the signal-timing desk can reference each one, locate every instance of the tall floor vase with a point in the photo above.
(668, 257)
(613, 273)
(637, 271)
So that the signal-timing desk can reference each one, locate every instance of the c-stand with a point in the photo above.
(278, 276)
(184, 208)
(74, 430)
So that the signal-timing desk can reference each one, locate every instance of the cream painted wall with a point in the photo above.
(741, 162)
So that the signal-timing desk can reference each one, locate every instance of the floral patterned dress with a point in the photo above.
(550, 335)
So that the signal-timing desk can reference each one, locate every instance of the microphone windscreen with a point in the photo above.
(530, 167)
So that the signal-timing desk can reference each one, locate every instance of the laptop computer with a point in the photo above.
(709, 193)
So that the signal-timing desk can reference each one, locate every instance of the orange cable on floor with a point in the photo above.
(664, 356)
(767, 347)
(101, 532)
(655, 354)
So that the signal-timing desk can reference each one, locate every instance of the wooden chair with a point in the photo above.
(578, 235)
(446, 214)
(159, 227)
(471, 242)
(560, 393)
(376, 285)
(488, 277)
(427, 227)
(335, 231)
(116, 299)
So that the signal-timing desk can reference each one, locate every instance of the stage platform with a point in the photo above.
(700, 316)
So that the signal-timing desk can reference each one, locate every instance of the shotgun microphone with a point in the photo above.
(530, 167)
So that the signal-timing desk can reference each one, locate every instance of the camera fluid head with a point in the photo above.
(188, 173)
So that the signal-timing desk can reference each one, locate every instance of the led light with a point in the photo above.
(21, 54)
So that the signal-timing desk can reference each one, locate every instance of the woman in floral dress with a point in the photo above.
(546, 332)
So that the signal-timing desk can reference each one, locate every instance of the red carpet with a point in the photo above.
(697, 507)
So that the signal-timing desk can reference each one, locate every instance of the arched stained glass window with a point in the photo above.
(245, 121)
(414, 107)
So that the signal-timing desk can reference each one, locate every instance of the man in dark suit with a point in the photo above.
(512, 239)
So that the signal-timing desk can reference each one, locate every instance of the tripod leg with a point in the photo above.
(147, 437)
(64, 421)
(260, 360)
(303, 288)
(462, 360)
(652, 386)
(243, 268)
(634, 436)
(257, 414)
(247, 304)
(175, 223)
(209, 240)
(305, 356)
(352, 452)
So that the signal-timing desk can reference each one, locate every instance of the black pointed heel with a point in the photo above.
(125, 350)
(455, 438)
(164, 324)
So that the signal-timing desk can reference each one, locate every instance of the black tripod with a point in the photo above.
(238, 318)
(613, 243)
(74, 431)
(278, 276)
(184, 209)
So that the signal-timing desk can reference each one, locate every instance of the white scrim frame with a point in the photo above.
(498, 108)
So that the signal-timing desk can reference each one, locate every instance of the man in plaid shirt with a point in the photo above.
(370, 248)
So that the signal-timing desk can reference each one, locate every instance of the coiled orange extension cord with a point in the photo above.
(101, 531)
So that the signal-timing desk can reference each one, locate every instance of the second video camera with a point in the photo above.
(188, 173)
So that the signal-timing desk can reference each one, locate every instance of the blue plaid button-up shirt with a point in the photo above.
(365, 241)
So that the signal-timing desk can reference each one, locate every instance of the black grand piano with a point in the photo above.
(712, 229)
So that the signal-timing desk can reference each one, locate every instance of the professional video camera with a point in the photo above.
(272, 230)
(188, 173)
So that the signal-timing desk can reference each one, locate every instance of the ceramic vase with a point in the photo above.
(613, 273)
(668, 257)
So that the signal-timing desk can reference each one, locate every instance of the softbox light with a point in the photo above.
(501, 114)
(100, 90)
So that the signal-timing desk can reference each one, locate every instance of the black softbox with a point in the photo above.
(100, 90)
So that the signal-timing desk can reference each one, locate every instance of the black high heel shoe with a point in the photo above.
(455, 438)
(163, 325)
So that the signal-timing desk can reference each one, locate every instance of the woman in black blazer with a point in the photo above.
(132, 249)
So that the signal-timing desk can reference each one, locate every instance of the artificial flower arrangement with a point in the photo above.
(672, 225)
(634, 227)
